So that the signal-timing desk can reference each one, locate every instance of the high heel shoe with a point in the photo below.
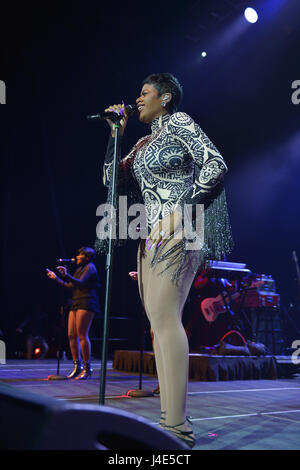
(86, 372)
(162, 421)
(77, 369)
(187, 437)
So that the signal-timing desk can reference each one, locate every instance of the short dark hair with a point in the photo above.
(166, 83)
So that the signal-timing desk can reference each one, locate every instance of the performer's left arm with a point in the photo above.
(210, 165)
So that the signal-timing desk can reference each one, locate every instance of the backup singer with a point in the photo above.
(85, 304)
(176, 164)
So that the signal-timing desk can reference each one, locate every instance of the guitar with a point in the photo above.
(212, 307)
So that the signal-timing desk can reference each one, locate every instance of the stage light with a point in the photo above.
(203, 54)
(37, 351)
(251, 15)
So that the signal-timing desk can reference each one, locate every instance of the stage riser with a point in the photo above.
(205, 367)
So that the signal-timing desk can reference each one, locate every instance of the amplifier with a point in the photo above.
(255, 298)
(267, 299)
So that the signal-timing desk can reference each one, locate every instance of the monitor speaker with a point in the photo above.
(30, 421)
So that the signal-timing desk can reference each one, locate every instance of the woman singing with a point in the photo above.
(174, 166)
(85, 304)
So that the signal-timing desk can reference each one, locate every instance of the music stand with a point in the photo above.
(59, 349)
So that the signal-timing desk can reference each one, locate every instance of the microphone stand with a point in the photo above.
(140, 392)
(109, 265)
(60, 330)
(59, 349)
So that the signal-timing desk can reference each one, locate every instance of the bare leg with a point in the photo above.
(72, 333)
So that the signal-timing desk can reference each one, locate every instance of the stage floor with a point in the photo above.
(231, 415)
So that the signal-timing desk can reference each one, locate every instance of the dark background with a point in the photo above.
(64, 60)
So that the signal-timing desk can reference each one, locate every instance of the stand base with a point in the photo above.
(57, 377)
(139, 393)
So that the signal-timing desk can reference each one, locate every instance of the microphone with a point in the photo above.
(130, 109)
(66, 260)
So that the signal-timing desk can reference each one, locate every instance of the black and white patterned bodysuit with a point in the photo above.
(164, 165)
